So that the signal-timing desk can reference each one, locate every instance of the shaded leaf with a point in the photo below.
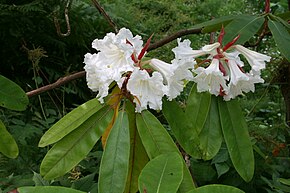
(69, 122)
(69, 151)
(211, 135)
(38, 180)
(11, 95)
(138, 155)
(215, 24)
(281, 37)
(156, 141)
(115, 160)
(246, 26)
(8, 146)
(237, 138)
(216, 188)
(47, 189)
(162, 174)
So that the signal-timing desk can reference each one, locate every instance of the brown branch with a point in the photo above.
(173, 37)
(56, 84)
(104, 13)
(80, 74)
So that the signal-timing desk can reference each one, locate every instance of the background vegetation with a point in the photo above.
(33, 55)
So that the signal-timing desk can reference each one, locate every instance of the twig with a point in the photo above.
(173, 37)
(56, 23)
(80, 74)
(56, 84)
(104, 13)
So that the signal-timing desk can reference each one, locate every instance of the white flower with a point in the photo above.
(174, 74)
(117, 52)
(210, 79)
(184, 51)
(98, 78)
(255, 59)
(146, 90)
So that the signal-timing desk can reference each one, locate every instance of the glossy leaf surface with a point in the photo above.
(138, 155)
(156, 141)
(11, 95)
(245, 26)
(215, 188)
(8, 146)
(235, 132)
(162, 174)
(115, 161)
(281, 37)
(69, 151)
(70, 122)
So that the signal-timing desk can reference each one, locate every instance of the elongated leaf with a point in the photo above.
(115, 160)
(70, 122)
(156, 141)
(8, 146)
(237, 138)
(197, 108)
(281, 37)
(47, 189)
(211, 135)
(187, 126)
(246, 26)
(69, 151)
(12, 96)
(216, 188)
(162, 174)
(215, 24)
(38, 180)
(138, 155)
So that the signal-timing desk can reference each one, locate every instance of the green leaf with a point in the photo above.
(156, 141)
(70, 122)
(216, 188)
(246, 26)
(71, 149)
(47, 189)
(237, 138)
(115, 161)
(281, 37)
(38, 180)
(285, 181)
(215, 24)
(12, 96)
(197, 108)
(211, 135)
(86, 183)
(189, 127)
(162, 174)
(222, 168)
(138, 155)
(8, 146)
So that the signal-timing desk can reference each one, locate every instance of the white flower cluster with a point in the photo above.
(224, 75)
(119, 59)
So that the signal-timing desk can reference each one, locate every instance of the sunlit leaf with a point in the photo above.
(281, 37)
(71, 149)
(138, 155)
(235, 132)
(216, 188)
(8, 146)
(156, 141)
(70, 122)
(245, 26)
(47, 189)
(115, 161)
(162, 174)
(11, 95)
